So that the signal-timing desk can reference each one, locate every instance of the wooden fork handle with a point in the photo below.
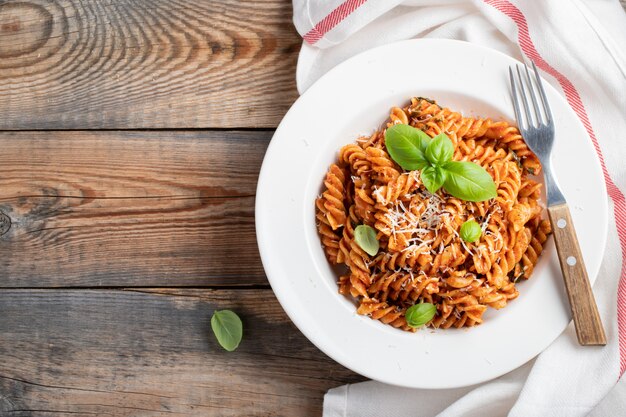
(584, 310)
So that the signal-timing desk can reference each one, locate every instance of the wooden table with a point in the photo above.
(132, 134)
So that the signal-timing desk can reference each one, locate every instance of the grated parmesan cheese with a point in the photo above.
(378, 196)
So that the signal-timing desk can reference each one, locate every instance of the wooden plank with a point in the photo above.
(95, 64)
(117, 353)
(157, 208)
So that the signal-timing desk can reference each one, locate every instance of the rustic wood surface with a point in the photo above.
(150, 352)
(117, 244)
(119, 64)
(79, 203)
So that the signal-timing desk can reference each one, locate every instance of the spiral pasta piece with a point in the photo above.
(510, 137)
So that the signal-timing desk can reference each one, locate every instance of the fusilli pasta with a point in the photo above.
(422, 257)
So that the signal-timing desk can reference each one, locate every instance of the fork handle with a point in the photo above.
(584, 310)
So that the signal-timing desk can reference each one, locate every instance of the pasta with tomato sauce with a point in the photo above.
(422, 258)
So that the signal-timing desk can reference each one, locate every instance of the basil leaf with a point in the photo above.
(406, 146)
(227, 328)
(470, 231)
(439, 150)
(468, 181)
(365, 237)
(419, 314)
(433, 178)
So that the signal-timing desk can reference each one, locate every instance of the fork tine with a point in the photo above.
(516, 104)
(544, 99)
(524, 99)
(533, 97)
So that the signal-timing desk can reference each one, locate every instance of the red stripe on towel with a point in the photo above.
(331, 20)
(574, 100)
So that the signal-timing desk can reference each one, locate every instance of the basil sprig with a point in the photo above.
(413, 149)
(419, 314)
(227, 328)
(470, 231)
(365, 237)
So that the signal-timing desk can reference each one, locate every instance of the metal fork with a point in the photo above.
(536, 125)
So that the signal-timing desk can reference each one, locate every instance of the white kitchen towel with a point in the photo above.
(580, 47)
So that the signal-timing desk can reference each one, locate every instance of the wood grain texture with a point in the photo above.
(92, 64)
(152, 353)
(581, 299)
(129, 208)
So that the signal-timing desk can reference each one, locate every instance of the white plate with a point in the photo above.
(354, 99)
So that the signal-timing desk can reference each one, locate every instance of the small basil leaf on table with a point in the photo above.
(419, 314)
(433, 178)
(365, 237)
(470, 231)
(227, 328)
(439, 150)
(468, 181)
(406, 146)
